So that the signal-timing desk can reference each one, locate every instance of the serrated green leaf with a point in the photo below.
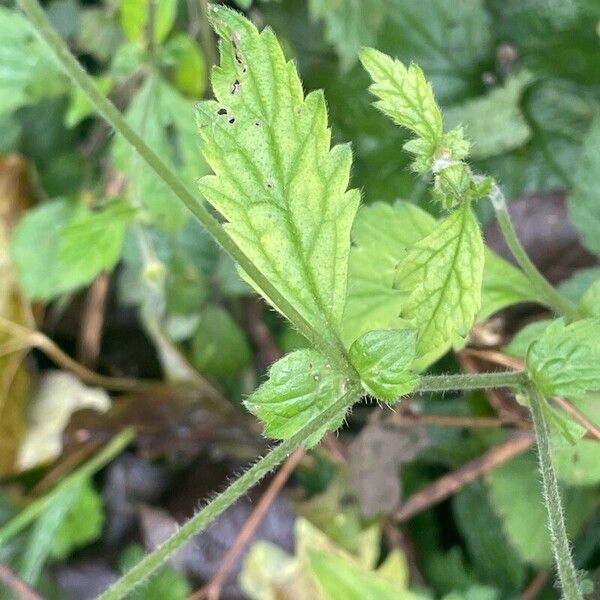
(300, 386)
(383, 360)
(82, 523)
(279, 185)
(493, 123)
(442, 274)
(407, 98)
(584, 201)
(381, 236)
(350, 25)
(564, 361)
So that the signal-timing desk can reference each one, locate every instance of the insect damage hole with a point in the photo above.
(235, 87)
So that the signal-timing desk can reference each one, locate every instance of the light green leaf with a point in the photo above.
(381, 236)
(340, 579)
(407, 98)
(532, 332)
(590, 301)
(350, 25)
(80, 106)
(383, 360)
(91, 242)
(165, 119)
(189, 70)
(503, 285)
(584, 201)
(27, 71)
(279, 185)
(219, 346)
(564, 361)
(442, 274)
(81, 525)
(301, 385)
(135, 18)
(493, 123)
(60, 245)
(578, 463)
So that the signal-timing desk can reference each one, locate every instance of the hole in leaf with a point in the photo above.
(235, 87)
(222, 111)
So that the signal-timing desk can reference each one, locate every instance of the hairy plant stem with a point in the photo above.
(567, 573)
(38, 506)
(548, 293)
(329, 346)
(471, 381)
(226, 498)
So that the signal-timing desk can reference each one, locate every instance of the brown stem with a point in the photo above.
(446, 485)
(92, 321)
(18, 586)
(212, 590)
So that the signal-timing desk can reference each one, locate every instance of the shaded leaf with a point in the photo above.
(350, 25)
(493, 123)
(219, 346)
(584, 201)
(137, 15)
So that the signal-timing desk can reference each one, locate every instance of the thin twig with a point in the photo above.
(212, 590)
(446, 485)
(499, 358)
(92, 321)
(535, 586)
(448, 420)
(17, 585)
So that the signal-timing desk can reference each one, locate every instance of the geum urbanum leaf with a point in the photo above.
(384, 359)
(301, 385)
(442, 274)
(280, 186)
(564, 360)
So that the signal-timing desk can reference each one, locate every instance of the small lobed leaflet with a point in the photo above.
(278, 183)
(443, 275)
